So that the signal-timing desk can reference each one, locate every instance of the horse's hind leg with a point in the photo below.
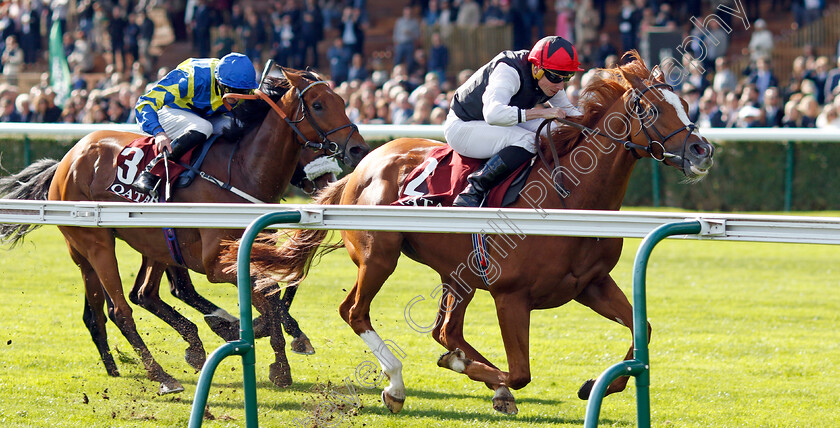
(93, 316)
(376, 254)
(146, 294)
(97, 247)
(605, 298)
(220, 321)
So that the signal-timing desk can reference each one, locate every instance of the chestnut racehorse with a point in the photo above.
(257, 155)
(634, 114)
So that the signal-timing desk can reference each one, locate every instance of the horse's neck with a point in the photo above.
(596, 173)
(268, 157)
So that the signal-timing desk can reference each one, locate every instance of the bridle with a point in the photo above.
(659, 155)
(332, 148)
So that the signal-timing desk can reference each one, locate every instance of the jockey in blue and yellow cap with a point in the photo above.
(185, 107)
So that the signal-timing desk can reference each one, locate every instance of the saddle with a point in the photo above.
(439, 179)
(139, 152)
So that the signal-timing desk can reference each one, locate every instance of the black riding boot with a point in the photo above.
(493, 172)
(149, 182)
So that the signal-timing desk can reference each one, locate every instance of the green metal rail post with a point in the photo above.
(639, 366)
(655, 184)
(789, 164)
(27, 151)
(245, 345)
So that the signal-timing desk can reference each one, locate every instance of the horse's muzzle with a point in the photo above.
(354, 152)
(698, 158)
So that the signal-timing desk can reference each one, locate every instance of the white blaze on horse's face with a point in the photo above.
(675, 101)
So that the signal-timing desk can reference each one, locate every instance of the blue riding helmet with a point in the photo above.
(236, 71)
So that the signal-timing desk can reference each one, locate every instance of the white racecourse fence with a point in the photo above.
(63, 131)
(606, 224)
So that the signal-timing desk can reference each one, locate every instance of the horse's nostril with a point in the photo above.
(702, 149)
(357, 152)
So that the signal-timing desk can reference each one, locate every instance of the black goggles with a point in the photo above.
(558, 76)
(232, 90)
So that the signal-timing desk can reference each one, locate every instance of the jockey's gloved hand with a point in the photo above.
(163, 142)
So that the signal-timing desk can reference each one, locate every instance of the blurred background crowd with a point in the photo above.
(399, 62)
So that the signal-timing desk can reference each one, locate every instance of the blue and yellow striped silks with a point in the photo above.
(191, 86)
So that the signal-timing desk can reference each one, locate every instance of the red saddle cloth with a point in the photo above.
(133, 159)
(442, 176)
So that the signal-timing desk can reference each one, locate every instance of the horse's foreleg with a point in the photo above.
(300, 344)
(93, 315)
(220, 321)
(514, 319)
(267, 301)
(146, 294)
(605, 298)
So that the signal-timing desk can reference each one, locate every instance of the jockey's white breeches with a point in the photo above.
(480, 140)
(177, 122)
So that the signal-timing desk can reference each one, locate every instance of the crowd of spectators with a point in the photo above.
(410, 83)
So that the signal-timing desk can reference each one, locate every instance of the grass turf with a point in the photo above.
(744, 335)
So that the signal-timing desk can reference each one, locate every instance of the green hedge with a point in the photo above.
(746, 177)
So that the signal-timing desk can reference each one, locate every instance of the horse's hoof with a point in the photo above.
(393, 404)
(195, 357)
(280, 374)
(112, 371)
(586, 389)
(454, 360)
(170, 386)
(302, 345)
(504, 402)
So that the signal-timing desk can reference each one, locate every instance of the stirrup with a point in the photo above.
(147, 182)
(470, 198)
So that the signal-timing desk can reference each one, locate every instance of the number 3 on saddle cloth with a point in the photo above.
(133, 158)
(443, 175)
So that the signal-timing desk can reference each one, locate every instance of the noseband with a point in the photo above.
(332, 148)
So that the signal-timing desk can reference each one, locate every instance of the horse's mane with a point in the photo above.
(605, 87)
(251, 113)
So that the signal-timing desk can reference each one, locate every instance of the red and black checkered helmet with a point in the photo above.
(554, 53)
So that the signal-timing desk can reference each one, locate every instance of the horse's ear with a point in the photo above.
(293, 78)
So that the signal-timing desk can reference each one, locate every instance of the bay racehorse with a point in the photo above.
(629, 113)
(146, 289)
(257, 155)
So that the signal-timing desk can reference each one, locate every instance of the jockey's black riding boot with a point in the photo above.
(149, 182)
(493, 172)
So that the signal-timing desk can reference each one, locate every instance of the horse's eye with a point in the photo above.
(317, 106)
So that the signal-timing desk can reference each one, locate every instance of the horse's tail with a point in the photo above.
(289, 262)
(33, 183)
